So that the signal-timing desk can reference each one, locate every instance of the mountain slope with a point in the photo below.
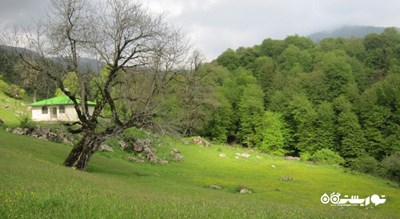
(347, 32)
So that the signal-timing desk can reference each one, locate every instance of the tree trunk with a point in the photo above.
(81, 154)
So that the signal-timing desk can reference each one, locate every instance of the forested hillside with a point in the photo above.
(297, 97)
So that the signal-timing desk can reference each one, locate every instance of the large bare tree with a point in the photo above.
(140, 53)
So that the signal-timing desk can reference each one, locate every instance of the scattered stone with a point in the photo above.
(273, 166)
(291, 158)
(6, 107)
(163, 162)
(201, 141)
(287, 179)
(176, 155)
(186, 142)
(122, 144)
(135, 159)
(106, 148)
(20, 131)
(239, 155)
(66, 141)
(215, 187)
(222, 155)
(9, 130)
(245, 191)
(246, 155)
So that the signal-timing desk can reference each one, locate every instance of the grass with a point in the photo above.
(34, 184)
(9, 110)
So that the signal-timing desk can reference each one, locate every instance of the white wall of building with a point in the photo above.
(69, 114)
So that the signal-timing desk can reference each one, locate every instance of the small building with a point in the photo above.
(59, 108)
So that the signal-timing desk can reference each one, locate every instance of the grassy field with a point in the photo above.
(10, 108)
(34, 184)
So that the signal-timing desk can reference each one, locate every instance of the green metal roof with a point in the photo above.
(60, 100)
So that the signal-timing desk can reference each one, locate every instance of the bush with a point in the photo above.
(365, 164)
(305, 156)
(326, 156)
(391, 166)
(26, 122)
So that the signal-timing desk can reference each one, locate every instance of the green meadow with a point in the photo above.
(35, 184)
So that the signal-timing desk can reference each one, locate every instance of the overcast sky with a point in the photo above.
(215, 25)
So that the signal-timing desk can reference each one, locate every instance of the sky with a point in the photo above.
(216, 25)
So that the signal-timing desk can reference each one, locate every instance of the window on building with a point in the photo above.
(45, 110)
(61, 109)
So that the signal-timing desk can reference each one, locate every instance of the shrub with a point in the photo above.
(326, 156)
(26, 122)
(391, 166)
(365, 164)
(305, 156)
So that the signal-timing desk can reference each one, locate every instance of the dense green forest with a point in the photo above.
(296, 97)
(339, 97)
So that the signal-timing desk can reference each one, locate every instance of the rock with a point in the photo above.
(215, 187)
(175, 150)
(239, 155)
(245, 191)
(66, 141)
(122, 144)
(273, 166)
(54, 137)
(176, 155)
(106, 148)
(135, 159)
(201, 141)
(291, 158)
(222, 155)
(9, 130)
(137, 146)
(186, 142)
(1, 122)
(287, 179)
(163, 162)
(245, 155)
(6, 107)
(19, 131)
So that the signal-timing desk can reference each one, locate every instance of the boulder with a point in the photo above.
(163, 162)
(245, 191)
(291, 158)
(20, 131)
(287, 179)
(245, 155)
(122, 144)
(201, 141)
(135, 159)
(106, 148)
(176, 155)
(215, 187)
